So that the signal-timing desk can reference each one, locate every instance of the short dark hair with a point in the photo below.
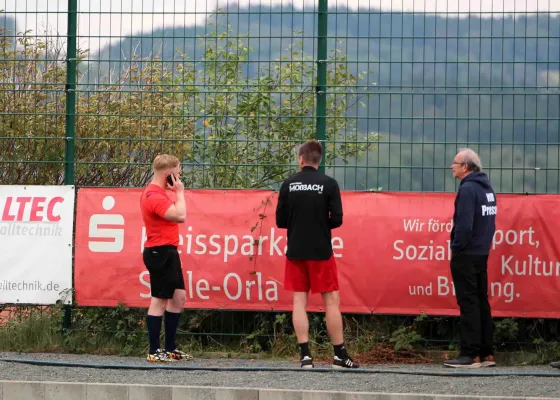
(311, 151)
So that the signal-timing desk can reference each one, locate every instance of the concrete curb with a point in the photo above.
(30, 390)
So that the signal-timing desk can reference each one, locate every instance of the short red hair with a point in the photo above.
(165, 161)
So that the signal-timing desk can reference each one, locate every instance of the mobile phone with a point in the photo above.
(170, 180)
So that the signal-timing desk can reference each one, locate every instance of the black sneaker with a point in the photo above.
(306, 362)
(463, 362)
(345, 362)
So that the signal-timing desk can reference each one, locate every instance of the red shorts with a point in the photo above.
(319, 276)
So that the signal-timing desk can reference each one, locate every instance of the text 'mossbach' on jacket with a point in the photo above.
(309, 206)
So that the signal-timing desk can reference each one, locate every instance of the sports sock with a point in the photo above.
(171, 324)
(340, 351)
(304, 349)
(154, 330)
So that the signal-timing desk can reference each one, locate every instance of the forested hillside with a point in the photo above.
(433, 83)
(432, 79)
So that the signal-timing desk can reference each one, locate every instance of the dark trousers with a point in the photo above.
(470, 277)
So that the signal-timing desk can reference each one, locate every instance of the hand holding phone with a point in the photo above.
(170, 179)
(174, 183)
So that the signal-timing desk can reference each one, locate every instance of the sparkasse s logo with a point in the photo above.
(109, 228)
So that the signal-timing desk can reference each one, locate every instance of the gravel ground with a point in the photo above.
(357, 382)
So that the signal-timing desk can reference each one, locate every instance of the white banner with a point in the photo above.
(36, 244)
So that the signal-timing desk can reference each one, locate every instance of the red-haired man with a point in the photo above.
(163, 207)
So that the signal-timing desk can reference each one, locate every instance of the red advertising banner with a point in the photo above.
(392, 253)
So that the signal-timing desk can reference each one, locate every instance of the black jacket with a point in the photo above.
(309, 206)
(474, 219)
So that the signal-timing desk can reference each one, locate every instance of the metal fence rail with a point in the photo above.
(99, 87)
(92, 90)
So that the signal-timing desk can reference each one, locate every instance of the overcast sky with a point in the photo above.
(127, 23)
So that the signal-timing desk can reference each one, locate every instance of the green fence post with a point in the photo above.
(321, 90)
(70, 129)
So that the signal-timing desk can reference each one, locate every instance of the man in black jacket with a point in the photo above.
(309, 206)
(474, 224)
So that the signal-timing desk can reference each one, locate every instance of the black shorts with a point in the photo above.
(164, 265)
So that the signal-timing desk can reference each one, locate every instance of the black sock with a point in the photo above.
(154, 330)
(171, 324)
(340, 351)
(304, 349)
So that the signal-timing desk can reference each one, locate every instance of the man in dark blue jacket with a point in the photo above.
(474, 224)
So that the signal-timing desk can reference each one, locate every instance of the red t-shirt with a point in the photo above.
(154, 202)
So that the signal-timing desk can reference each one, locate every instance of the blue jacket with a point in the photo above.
(474, 219)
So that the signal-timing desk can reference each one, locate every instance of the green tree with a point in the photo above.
(231, 131)
(31, 111)
(251, 126)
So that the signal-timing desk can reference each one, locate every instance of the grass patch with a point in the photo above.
(31, 330)
(370, 339)
(121, 331)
